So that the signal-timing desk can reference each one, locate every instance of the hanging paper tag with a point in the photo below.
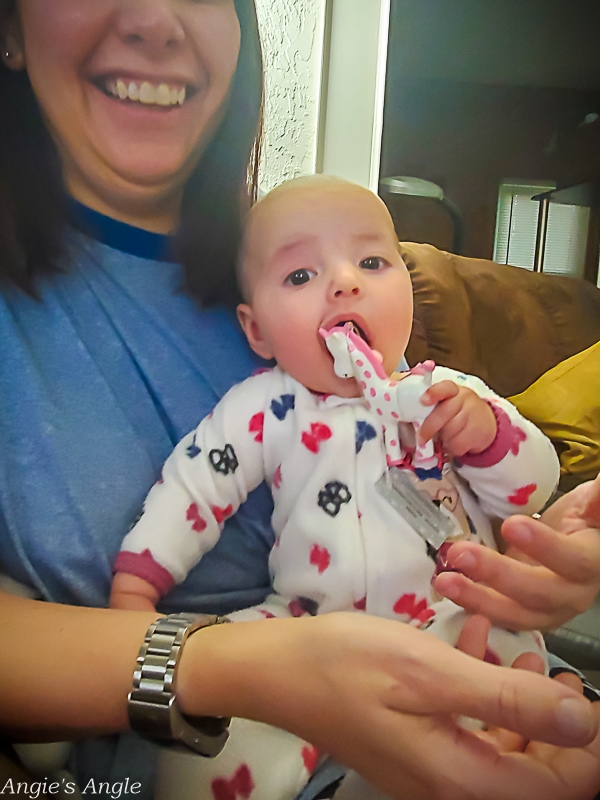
(417, 508)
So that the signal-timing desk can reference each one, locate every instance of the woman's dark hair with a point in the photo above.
(33, 202)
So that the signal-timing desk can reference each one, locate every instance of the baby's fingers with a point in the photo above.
(438, 392)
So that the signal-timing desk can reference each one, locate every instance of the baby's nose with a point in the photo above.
(346, 281)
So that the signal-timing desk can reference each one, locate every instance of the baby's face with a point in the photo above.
(318, 255)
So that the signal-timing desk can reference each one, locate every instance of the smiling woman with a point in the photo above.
(124, 156)
(109, 354)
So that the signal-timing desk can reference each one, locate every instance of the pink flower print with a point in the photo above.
(239, 785)
(193, 516)
(416, 610)
(520, 497)
(517, 435)
(310, 756)
(318, 433)
(256, 425)
(319, 557)
(221, 514)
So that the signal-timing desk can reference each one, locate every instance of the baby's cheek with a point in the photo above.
(301, 360)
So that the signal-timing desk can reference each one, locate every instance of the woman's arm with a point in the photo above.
(376, 694)
(550, 572)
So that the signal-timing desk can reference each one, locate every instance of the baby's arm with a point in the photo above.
(204, 481)
(133, 593)
(514, 471)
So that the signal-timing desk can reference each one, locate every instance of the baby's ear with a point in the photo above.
(253, 333)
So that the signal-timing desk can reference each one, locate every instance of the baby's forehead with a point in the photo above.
(289, 211)
(291, 203)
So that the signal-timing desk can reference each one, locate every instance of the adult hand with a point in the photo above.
(549, 573)
(572, 774)
(382, 697)
(556, 773)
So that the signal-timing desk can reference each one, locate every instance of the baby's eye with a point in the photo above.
(300, 276)
(373, 262)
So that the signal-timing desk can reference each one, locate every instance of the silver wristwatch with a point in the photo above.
(152, 707)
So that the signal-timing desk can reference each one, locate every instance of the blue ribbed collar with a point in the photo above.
(120, 235)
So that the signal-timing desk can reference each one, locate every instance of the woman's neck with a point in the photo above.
(154, 214)
(120, 235)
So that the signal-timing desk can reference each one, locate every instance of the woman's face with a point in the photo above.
(131, 91)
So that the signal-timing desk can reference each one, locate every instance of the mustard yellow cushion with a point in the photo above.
(565, 404)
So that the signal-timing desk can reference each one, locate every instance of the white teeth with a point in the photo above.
(147, 93)
(163, 95)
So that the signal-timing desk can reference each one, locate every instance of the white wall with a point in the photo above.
(324, 79)
(292, 33)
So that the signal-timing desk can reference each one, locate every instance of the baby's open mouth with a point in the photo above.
(355, 327)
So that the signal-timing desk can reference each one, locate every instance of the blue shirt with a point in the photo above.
(98, 382)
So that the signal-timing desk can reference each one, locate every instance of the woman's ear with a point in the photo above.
(252, 330)
(13, 48)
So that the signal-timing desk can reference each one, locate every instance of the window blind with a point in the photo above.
(516, 227)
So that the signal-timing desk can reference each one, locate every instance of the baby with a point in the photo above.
(320, 273)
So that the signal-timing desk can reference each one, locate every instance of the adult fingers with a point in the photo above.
(508, 741)
(524, 702)
(570, 679)
(473, 637)
(591, 511)
(563, 585)
(575, 772)
(575, 557)
(531, 584)
(503, 611)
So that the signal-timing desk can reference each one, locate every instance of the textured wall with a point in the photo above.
(292, 37)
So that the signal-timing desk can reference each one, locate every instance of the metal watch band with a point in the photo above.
(152, 706)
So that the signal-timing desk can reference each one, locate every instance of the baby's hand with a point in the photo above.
(132, 593)
(465, 423)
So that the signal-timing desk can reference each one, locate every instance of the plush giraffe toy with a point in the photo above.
(394, 401)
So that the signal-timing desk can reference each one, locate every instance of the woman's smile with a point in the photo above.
(150, 94)
(132, 95)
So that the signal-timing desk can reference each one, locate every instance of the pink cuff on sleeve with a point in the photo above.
(145, 567)
(508, 437)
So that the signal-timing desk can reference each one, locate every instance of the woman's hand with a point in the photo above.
(551, 771)
(381, 697)
(549, 573)
(572, 774)
(378, 695)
